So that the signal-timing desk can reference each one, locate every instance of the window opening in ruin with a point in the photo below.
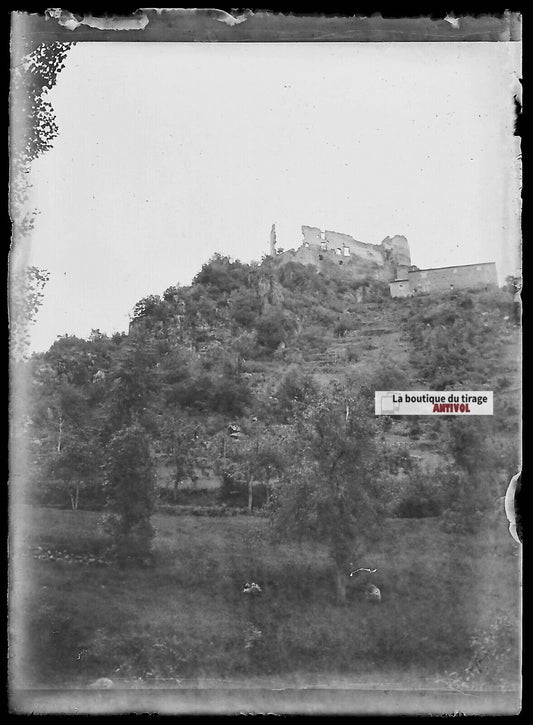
(320, 257)
(340, 262)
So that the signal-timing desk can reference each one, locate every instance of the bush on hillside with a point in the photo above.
(273, 328)
(222, 275)
(429, 493)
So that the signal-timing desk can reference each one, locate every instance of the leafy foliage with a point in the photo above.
(130, 495)
(452, 338)
(222, 275)
(32, 133)
(34, 74)
(77, 466)
(295, 392)
(25, 299)
(249, 464)
(331, 490)
(273, 329)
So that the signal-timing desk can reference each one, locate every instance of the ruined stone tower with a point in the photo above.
(273, 240)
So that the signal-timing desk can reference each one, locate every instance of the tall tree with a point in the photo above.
(181, 440)
(133, 383)
(257, 455)
(479, 458)
(130, 495)
(64, 428)
(77, 464)
(330, 492)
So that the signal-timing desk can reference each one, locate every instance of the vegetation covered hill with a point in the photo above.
(251, 346)
(261, 379)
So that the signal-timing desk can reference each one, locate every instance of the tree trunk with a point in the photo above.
(340, 584)
(60, 432)
(74, 496)
(268, 492)
(250, 495)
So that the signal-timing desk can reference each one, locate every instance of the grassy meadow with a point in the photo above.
(448, 599)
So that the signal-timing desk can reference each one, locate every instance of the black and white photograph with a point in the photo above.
(265, 382)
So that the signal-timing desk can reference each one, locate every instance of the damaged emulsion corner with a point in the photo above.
(139, 20)
(513, 502)
(518, 123)
(454, 22)
(220, 16)
(513, 505)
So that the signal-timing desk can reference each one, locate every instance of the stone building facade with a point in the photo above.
(389, 261)
(444, 279)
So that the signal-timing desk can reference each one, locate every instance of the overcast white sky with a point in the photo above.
(168, 153)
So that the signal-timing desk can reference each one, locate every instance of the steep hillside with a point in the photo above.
(249, 346)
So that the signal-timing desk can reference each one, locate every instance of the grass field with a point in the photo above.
(186, 618)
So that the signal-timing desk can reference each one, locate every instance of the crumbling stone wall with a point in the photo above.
(360, 259)
(400, 288)
(371, 254)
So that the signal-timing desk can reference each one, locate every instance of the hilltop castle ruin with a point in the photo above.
(386, 261)
(389, 261)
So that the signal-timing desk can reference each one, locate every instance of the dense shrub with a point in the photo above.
(246, 307)
(343, 325)
(296, 389)
(222, 275)
(429, 492)
(273, 329)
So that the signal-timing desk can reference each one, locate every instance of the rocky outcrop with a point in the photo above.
(270, 291)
